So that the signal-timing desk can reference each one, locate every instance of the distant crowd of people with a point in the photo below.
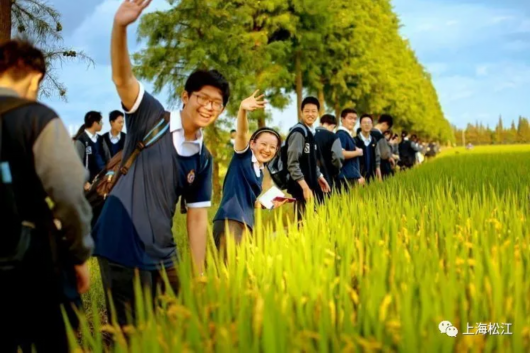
(50, 229)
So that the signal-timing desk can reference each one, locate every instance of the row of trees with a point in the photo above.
(478, 134)
(348, 53)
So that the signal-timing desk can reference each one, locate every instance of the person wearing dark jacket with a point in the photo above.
(114, 140)
(306, 181)
(90, 147)
(328, 143)
(407, 152)
(371, 160)
(384, 124)
(350, 174)
(38, 163)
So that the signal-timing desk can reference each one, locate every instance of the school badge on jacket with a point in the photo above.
(191, 176)
(307, 148)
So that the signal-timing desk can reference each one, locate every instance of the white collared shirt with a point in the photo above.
(114, 139)
(344, 129)
(257, 167)
(94, 137)
(184, 148)
(366, 140)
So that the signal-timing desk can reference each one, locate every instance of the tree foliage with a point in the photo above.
(350, 53)
(40, 23)
(478, 134)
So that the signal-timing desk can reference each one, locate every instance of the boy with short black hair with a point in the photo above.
(42, 270)
(134, 231)
(115, 138)
(331, 157)
(384, 124)
(370, 163)
(306, 181)
(350, 174)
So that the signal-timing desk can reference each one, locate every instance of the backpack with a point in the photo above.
(105, 180)
(277, 167)
(16, 233)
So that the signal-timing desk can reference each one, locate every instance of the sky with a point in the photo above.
(478, 52)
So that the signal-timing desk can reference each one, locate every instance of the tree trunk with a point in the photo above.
(322, 101)
(5, 20)
(337, 111)
(261, 119)
(299, 84)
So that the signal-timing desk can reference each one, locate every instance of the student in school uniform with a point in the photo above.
(244, 178)
(370, 162)
(115, 138)
(350, 174)
(330, 157)
(90, 147)
(384, 124)
(134, 233)
(306, 181)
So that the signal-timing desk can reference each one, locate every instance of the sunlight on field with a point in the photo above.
(490, 149)
(375, 270)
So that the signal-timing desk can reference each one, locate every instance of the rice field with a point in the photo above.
(376, 270)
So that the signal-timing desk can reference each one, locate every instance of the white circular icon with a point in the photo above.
(444, 325)
(451, 331)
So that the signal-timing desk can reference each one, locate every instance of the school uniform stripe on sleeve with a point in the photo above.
(138, 100)
(200, 204)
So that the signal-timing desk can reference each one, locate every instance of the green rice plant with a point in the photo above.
(374, 270)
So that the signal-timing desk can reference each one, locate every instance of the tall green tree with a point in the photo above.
(242, 40)
(523, 130)
(499, 132)
(40, 23)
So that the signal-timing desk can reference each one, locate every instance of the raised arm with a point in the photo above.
(242, 132)
(122, 75)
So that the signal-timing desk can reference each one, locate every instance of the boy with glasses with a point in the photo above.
(134, 230)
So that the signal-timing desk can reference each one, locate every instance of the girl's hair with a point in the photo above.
(79, 132)
(266, 130)
(90, 118)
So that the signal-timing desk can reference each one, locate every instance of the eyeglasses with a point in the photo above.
(203, 100)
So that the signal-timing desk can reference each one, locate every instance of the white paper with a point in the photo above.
(269, 195)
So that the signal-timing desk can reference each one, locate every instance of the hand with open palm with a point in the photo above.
(129, 11)
(252, 103)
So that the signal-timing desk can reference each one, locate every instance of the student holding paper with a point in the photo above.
(243, 181)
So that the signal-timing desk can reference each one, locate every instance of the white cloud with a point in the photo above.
(439, 25)
(93, 34)
(499, 19)
(482, 70)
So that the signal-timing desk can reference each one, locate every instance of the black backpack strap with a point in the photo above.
(8, 104)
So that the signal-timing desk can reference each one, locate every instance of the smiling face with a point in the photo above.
(265, 147)
(366, 125)
(309, 114)
(349, 121)
(204, 106)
